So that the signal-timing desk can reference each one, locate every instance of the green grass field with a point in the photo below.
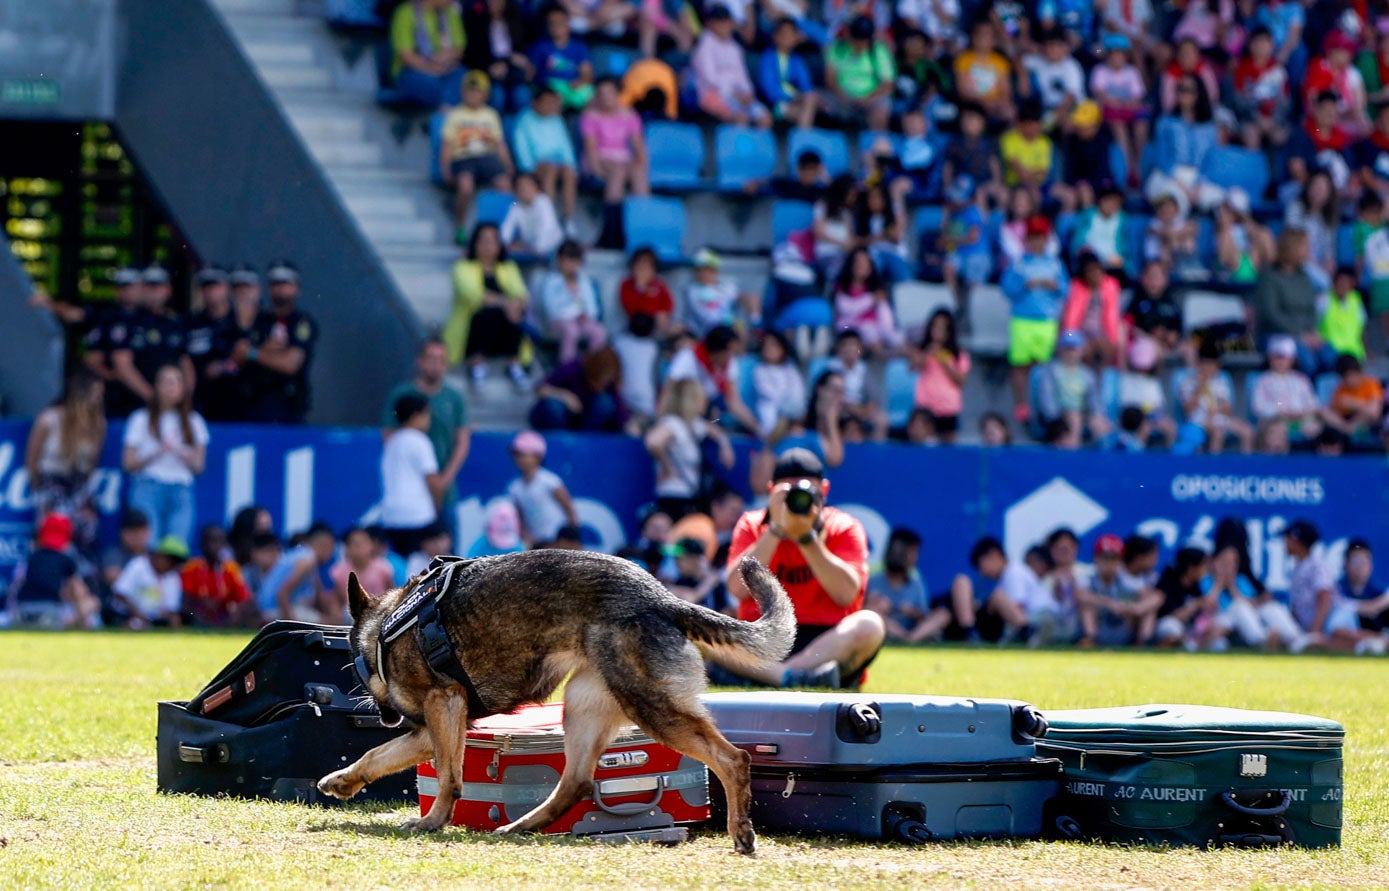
(78, 806)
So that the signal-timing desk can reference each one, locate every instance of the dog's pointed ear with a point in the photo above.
(357, 598)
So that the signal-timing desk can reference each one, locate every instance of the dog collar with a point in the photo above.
(420, 612)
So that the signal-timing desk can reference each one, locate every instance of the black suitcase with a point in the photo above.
(281, 715)
(903, 768)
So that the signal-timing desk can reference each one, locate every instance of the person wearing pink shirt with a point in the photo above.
(359, 556)
(861, 304)
(940, 382)
(1092, 308)
(721, 74)
(615, 152)
(1118, 86)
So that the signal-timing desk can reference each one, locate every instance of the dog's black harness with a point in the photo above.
(420, 611)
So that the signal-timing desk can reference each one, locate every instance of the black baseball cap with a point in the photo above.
(1303, 532)
(861, 28)
(212, 275)
(797, 463)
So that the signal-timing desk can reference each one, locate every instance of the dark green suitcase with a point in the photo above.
(1196, 775)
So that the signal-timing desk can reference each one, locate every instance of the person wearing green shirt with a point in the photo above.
(427, 52)
(861, 75)
(448, 431)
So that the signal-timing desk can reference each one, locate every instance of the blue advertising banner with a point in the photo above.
(950, 496)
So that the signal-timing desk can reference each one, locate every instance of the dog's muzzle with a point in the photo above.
(389, 716)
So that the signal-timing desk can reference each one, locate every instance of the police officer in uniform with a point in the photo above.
(160, 339)
(215, 296)
(109, 331)
(277, 357)
(209, 348)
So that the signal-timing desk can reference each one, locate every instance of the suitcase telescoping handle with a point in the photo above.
(655, 784)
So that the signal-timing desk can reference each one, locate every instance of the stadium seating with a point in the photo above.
(492, 206)
(1229, 166)
(989, 312)
(899, 382)
(867, 138)
(656, 222)
(913, 304)
(743, 155)
(676, 153)
(790, 216)
(1202, 308)
(829, 145)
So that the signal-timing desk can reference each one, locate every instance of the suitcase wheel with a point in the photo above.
(1069, 827)
(906, 824)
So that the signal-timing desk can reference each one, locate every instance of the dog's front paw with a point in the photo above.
(745, 841)
(340, 784)
(422, 824)
(508, 829)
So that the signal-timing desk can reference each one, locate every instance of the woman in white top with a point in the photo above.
(412, 485)
(165, 448)
(676, 442)
(61, 457)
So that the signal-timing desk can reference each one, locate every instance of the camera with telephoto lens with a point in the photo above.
(802, 497)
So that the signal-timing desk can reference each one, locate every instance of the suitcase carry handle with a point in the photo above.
(1253, 840)
(217, 753)
(1273, 810)
(656, 785)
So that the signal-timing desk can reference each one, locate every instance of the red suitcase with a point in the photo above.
(642, 790)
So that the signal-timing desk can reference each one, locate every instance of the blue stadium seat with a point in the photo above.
(352, 14)
(743, 155)
(1118, 164)
(1109, 393)
(1326, 386)
(1135, 227)
(676, 153)
(492, 206)
(868, 137)
(817, 367)
(745, 366)
(790, 216)
(1228, 166)
(611, 61)
(1345, 245)
(829, 145)
(655, 222)
(436, 142)
(929, 218)
(900, 384)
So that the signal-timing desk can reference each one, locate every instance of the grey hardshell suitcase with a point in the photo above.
(908, 768)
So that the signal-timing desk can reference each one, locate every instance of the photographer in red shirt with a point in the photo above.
(820, 555)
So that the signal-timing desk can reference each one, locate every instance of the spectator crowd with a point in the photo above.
(1098, 170)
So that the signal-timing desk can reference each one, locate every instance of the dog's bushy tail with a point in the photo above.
(766, 640)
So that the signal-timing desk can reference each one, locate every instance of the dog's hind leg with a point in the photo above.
(446, 716)
(388, 758)
(591, 719)
(667, 706)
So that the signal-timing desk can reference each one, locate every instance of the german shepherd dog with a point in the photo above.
(519, 624)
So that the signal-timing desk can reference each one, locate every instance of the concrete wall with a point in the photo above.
(215, 147)
(31, 348)
(57, 58)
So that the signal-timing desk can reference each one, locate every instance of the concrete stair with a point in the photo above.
(376, 160)
(372, 157)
